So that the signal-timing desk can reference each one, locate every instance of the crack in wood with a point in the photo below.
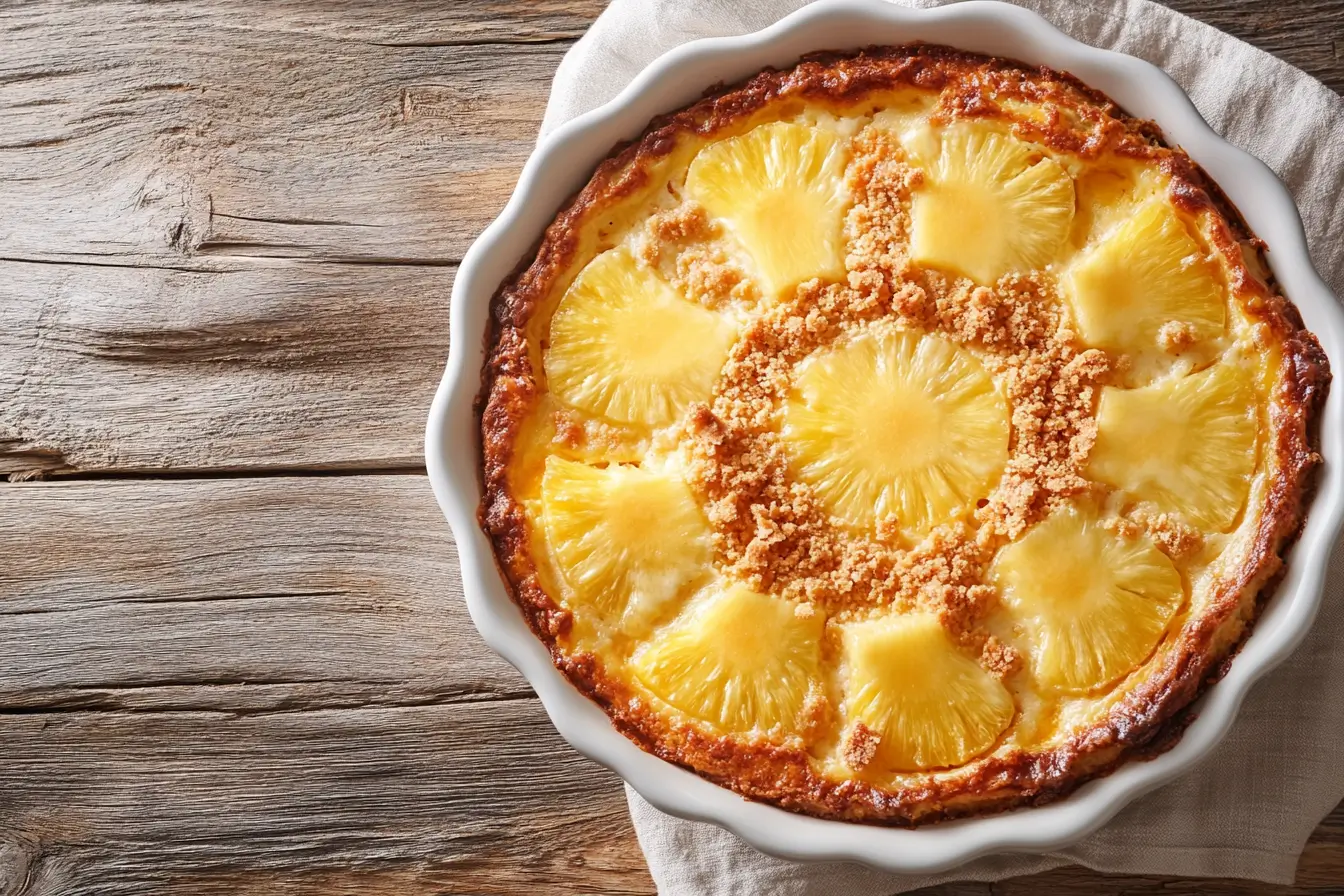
(45, 74)
(24, 462)
(219, 598)
(84, 261)
(35, 143)
(231, 250)
(318, 222)
(173, 599)
(103, 699)
(151, 474)
(538, 39)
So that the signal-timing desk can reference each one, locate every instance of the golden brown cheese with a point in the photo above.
(901, 436)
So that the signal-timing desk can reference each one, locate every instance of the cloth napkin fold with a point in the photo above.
(1248, 810)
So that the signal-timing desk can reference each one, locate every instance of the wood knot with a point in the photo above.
(19, 855)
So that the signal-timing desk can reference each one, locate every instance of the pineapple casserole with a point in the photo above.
(902, 436)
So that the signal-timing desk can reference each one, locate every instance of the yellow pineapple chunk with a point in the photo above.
(929, 704)
(781, 188)
(894, 423)
(1147, 273)
(1090, 603)
(990, 203)
(625, 345)
(1187, 444)
(739, 660)
(626, 540)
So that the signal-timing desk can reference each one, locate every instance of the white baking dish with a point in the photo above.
(563, 162)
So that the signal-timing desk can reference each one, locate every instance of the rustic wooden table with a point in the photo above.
(233, 655)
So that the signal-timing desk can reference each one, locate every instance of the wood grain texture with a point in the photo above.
(183, 135)
(188, 188)
(476, 798)
(235, 595)
(228, 231)
(151, 369)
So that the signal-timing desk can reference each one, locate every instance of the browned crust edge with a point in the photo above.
(1151, 718)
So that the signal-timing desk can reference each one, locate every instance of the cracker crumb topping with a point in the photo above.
(772, 532)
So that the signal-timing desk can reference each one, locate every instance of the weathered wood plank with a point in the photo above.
(172, 134)
(418, 23)
(258, 366)
(481, 798)
(477, 799)
(171, 137)
(239, 595)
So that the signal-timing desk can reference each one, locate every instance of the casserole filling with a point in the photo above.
(901, 436)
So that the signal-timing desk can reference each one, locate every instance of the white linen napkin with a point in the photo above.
(1248, 810)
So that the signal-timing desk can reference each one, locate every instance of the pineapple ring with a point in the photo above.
(1187, 444)
(626, 346)
(739, 660)
(897, 424)
(781, 188)
(991, 203)
(1148, 273)
(626, 540)
(1091, 604)
(929, 705)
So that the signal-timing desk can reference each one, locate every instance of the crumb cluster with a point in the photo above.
(1175, 336)
(1176, 537)
(677, 245)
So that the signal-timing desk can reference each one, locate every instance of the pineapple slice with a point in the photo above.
(1091, 604)
(897, 423)
(626, 540)
(782, 190)
(1147, 273)
(930, 705)
(740, 661)
(990, 203)
(1186, 443)
(626, 346)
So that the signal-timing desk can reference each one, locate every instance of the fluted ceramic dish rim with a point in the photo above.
(562, 163)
